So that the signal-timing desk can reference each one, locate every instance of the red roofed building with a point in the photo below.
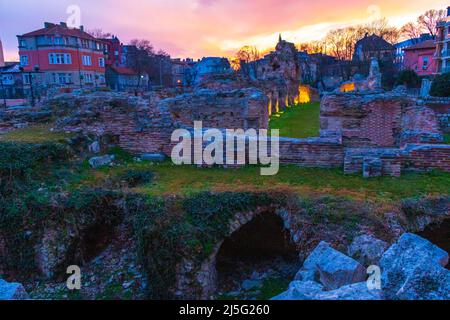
(61, 56)
(420, 58)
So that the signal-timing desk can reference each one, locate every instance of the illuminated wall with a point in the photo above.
(348, 87)
(304, 94)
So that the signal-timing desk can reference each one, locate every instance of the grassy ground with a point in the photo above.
(300, 121)
(35, 134)
(171, 180)
(447, 138)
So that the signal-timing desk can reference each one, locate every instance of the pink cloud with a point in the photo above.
(198, 27)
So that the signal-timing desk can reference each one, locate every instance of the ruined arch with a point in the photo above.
(211, 270)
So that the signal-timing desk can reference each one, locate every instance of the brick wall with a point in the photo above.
(364, 119)
(413, 157)
(312, 152)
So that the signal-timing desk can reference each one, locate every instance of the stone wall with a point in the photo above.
(312, 152)
(393, 161)
(424, 157)
(279, 76)
(364, 119)
(379, 119)
(376, 133)
(441, 107)
(145, 124)
(244, 108)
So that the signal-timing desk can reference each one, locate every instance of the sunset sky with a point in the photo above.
(196, 28)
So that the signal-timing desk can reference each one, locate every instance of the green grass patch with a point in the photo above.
(187, 180)
(35, 134)
(273, 287)
(447, 138)
(301, 121)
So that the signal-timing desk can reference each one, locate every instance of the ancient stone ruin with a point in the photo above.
(279, 75)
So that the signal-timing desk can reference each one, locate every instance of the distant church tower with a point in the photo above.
(2, 58)
(279, 38)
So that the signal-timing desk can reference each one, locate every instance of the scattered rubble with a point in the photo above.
(411, 269)
(367, 249)
(404, 259)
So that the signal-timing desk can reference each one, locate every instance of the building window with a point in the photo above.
(59, 58)
(84, 43)
(87, 61)
(64, 78)
(101, 62)
(426, 61)
(23, 60)
(22, 43)
(27, 78)
(88, 78)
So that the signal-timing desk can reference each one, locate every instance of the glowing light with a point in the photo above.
(304, 94)
(348, 87)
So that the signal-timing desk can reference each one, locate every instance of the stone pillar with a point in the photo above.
(374, 79)
(425, 88)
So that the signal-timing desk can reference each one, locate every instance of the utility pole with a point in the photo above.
(3, 90)
(31, 89)
(160, 72)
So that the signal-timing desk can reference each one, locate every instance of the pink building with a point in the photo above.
(420, 58)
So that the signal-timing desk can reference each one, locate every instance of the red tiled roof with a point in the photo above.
(60, 30)
(123, 70)
(429, 44)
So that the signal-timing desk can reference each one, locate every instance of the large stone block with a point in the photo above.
(367, 249)
(331, 267)
(12, 291)
(405, 260)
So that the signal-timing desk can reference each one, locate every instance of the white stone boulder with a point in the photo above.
(355, 291)
(331, 267)
(428, 282)
(301, 290)
(367, 249)
(97, 162)
(409, 264)
(12, 291)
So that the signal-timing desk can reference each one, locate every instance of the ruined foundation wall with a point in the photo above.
(313, 152)
(393, 161)
(235, 109)
(424, 157)
(364, 119)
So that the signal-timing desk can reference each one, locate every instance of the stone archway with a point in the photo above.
(203, 281)
(260, 250)
(438, 233)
